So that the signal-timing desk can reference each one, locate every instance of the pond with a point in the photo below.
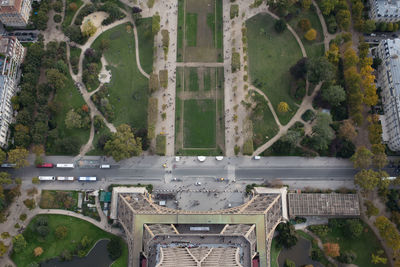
(98, 257)
(299, 254)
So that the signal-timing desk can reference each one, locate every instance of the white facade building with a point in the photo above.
(385, 10)
(389, 80)
(11, 56)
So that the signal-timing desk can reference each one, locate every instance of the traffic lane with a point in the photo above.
(292, 173)
(100, 173)
(203, 172)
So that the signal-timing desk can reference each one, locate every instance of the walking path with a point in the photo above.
(200, 64)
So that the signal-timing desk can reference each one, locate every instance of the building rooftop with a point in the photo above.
(387, 8)
(304, 204)
(9, 6)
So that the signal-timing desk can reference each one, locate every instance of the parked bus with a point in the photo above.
(63, 178)
(45, 165)
(65, 165)
(8, 165)
(87, 179)
(47, 178)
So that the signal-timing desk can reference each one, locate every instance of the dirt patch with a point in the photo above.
(96, 18)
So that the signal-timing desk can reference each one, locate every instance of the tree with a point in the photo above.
(333, 54)
(104, 45)
(377, 258)
(61, 232)
(347, 130)
(73, 6)
(367, 179)
(354, 228)
(5, 178)
(19, 243)
(334, 94)
(289, 263)
(304, 24)
(154, 84)
(299, 70)
(73, 120)
(328, 6)
(388, 232)
(55, 78)
(362, 159)
(320, 69)
(114, 248)
(369, 26)
(379, 158)
(35, 180)
(155, 27)
(38, 251)
(88, 28)
(306, 4)
(2, 156)
(287, 236)
(123, 144)
(85, 242)
(332, 249)
(280, 25)
(283, 107)
(343, 19)
(311, 34)
(347, 256)
(322, 132)
(292, 137)
(3, 249)
(21, 135)
(18, 156)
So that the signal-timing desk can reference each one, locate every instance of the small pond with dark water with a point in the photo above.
(300, 254)
(97, 257)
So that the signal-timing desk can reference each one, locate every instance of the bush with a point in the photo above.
(234, 12)
(61, 232)
(280, 26)
(23, 217)
(57, 18)
(30, 203)
(237, 150)
(371, 209)
(161, 141)
(114, 248)
(308, 115)
(347, 256)
(248, 147)
(354, 228)
(235, 64)
(320, 230)
(35, 180)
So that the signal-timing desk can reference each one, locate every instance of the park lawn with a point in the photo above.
(314, 49)
(193, 79)
(181, 22)
(274, 254)
(270, 57)
(363, 246)
(128, 88)
(219, 27)
(207, 79)
(69, 14)
(53, 247)
(65, 99)
(146, 43)
(96, 151)
(191, 29)
(264, 128)
(199, 123)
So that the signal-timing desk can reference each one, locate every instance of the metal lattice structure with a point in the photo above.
(247, 230)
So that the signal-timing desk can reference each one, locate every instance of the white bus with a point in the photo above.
(87, 179)
(65, 165)
(47, 178)
(63, 178)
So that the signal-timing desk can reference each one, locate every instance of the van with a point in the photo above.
(105, 166)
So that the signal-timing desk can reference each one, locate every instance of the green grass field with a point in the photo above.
(270, 57)
(363, 246)
(65, 99)
(199, 123)
(181, 19)
(128, 87)
(193, 80)
(53, 247)
(219, 27)
(69, 13)
(264, 127)
(314, 48)
(191, 29)
(146, 41)
(207, 80)
(274, 254)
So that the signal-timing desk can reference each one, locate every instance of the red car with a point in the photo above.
(45, 165)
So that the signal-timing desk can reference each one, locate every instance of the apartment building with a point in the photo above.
(389, 81)
(385, 10)
(11, 56)
(15, 13)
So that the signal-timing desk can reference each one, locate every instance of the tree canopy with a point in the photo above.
(123, 144)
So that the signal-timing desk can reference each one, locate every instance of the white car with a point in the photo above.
(257, 157)
(177, 159)
(219, 158)
(201, 158)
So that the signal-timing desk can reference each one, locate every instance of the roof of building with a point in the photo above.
(392, 49)
(105, 196)
(387, 8)
(10, 6)
(312, 204)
